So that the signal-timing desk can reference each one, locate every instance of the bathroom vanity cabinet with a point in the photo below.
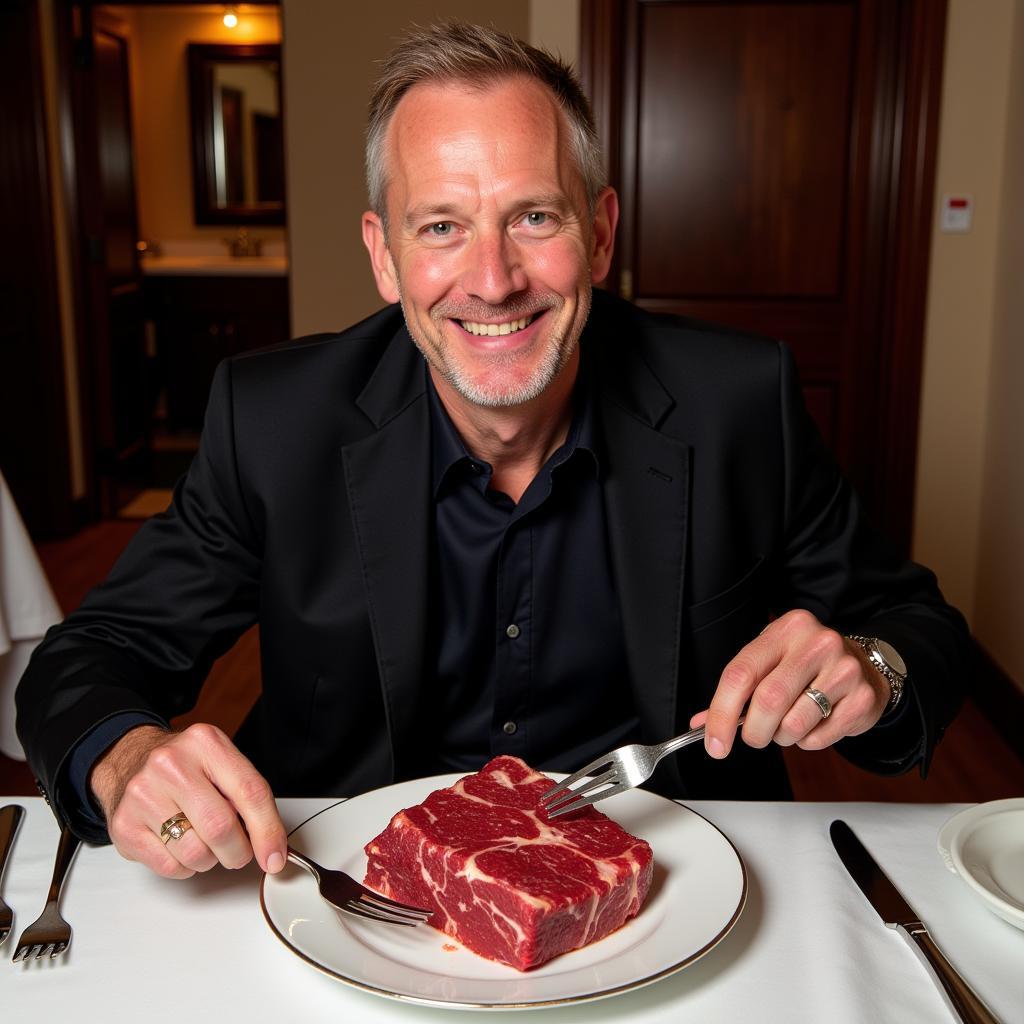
(200, 320)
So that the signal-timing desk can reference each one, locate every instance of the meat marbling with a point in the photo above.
(502, 878)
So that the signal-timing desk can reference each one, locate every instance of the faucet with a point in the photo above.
(243, 245)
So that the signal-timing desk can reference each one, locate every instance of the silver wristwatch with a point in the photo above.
(886, 659)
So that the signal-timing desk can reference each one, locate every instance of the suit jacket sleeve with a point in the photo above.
(836, 566)
(143, 641)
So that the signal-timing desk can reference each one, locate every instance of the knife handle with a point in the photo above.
(10, 819)
(959, 994)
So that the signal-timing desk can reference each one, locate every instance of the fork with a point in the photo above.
(50, 933)
(10, 819)
(622, 769)
(344, 893)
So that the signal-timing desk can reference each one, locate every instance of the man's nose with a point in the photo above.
(493, 270)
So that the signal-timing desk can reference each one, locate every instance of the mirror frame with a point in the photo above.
(201, 57)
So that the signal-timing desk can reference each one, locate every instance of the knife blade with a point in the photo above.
(897, 913)
(10, 819)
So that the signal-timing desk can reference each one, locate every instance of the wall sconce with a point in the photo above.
(230, 18)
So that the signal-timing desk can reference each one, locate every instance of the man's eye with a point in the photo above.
(536, 219)
(440, 230)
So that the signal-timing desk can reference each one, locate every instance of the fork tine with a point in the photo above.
(4, 932)
(44, 948)
(58, 948)
(385, 903)
(587, 769)
(588, 786)
(586, 801)
(358, 908)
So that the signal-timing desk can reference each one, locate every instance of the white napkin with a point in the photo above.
(27, 609)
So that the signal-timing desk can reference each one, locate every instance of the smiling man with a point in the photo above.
(488, 237)
(505, 515)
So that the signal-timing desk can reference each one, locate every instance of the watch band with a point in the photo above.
(884, 657)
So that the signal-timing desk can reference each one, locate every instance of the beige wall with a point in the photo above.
(999, 588)
(555, 25)
(330, 53)
(160, 110)
(970, 488)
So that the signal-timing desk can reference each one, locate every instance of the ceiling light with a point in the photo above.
(230, 18)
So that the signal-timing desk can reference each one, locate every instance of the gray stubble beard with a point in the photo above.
(556, 356)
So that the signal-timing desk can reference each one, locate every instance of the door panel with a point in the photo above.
(742, 149)
(118, 331)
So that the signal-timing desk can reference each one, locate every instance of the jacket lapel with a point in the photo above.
(387, 477)
(647, 488)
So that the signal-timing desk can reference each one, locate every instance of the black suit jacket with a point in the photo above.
(308, 510)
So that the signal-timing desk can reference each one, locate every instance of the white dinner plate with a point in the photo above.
(698, 892)
(984, 845)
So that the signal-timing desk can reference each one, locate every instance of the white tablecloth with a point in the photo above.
(27, 610)
(807, 947)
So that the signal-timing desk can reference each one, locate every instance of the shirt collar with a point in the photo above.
(448, 451)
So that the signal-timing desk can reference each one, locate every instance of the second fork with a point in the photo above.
(50, 933)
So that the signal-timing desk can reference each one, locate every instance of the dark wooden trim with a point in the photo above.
(34, 449)
(600, 69)
(88, 254)
(1001, 700)
(200, 88)
(64, 33)
(922, 41)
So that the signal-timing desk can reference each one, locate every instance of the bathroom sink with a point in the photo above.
(223, 265)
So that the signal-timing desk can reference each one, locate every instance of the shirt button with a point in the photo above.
(509, 728)
(512, 632)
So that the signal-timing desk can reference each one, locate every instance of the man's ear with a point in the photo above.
(606, 218)
(380, 257)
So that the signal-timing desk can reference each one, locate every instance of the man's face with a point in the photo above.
(490, 248)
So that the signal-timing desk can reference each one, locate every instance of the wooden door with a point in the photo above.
(775, 166)
(117, 391)
(34, 447)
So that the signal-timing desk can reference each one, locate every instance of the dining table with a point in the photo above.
(804, 944)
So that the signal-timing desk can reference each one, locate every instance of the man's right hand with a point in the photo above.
(149, 775)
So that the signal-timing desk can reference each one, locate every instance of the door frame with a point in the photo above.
(907, 55)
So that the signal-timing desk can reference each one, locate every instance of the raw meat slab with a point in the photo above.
(503, 878)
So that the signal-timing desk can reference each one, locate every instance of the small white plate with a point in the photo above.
(698, 892)
(984, 845)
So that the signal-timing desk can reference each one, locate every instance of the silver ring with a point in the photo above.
(174, 828)
(824, 704)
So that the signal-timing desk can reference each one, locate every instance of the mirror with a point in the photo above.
(237, 133)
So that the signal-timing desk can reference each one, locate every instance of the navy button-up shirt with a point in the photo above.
(528, 651)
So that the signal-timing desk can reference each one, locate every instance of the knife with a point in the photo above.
(10, 819)
(897, 913)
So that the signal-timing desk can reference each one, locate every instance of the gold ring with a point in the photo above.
(174, 828)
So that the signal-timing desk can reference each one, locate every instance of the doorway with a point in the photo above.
(165, 292)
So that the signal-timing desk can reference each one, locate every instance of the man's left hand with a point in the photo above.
(770, 676)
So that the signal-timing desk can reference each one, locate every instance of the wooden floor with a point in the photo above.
(973, 762)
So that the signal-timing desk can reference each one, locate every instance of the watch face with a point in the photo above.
(892, 659)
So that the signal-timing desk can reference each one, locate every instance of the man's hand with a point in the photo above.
(150, 774)
(772, 672)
